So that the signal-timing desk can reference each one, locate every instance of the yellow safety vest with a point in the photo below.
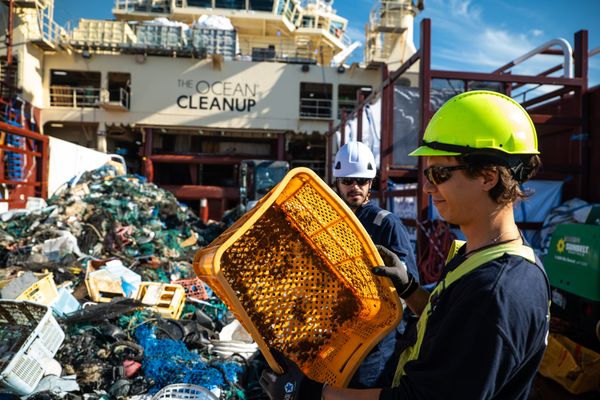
(470, 264)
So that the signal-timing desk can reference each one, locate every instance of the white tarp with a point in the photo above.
(371, 129)
(162, 21)
(68, 160)
(406, 123)
(213, 22)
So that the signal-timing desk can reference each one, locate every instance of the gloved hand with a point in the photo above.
(292, 384)
(396, 270)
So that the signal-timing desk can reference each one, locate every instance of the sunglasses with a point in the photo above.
(352, 181)
(437, 175)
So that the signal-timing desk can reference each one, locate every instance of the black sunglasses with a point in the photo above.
(437, 175)
(352, 181)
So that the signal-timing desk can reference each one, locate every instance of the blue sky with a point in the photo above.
(467, 35)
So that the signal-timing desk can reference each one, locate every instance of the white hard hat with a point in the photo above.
(354, 160)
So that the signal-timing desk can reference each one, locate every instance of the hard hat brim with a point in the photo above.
(425, 151)
(356, 175)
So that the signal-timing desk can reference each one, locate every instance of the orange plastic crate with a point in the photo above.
(295, 271)
(194, 288)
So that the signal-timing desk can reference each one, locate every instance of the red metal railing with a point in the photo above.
(33, 153)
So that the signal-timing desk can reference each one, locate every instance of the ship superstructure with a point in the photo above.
(186, 89)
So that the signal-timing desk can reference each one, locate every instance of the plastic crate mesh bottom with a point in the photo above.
(297, 303)
(28, 370)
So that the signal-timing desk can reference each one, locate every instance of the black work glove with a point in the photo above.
(292, 384)
(396, 270)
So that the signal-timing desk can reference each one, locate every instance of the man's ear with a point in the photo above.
(490, 178)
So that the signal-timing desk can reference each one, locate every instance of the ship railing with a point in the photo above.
(376, 52)
(119, 96)
(286, 51)
(315, 108)
(388, 14)
(341, 35)
(157, 6)
(46, 29)
(72, 96)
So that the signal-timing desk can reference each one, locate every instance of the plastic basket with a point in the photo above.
(295, 271)
(183, 391)
(31, 334)
(167, 299)
(194, 288)
(160, 36)
(101, 284)
(43, 291)
(214, 41)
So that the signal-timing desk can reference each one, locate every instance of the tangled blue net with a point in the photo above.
(168, 361)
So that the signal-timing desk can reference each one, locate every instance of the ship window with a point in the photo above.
(347, 97)
(280, 6)
(200, 3)
(315, 100)
(308, 22)
(261, 5)
(337, 28)
(74, 88)
(231, 4)
(291, 11)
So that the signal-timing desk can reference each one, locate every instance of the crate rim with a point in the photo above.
(272, 196)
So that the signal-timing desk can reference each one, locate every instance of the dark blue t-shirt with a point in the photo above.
(387, 230)
(485, 337)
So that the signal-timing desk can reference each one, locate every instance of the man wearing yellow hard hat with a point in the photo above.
(483, 330)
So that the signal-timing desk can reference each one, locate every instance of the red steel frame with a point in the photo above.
(572, 90)
(203, 194)
(36, 155)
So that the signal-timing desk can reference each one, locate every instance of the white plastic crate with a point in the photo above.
(29, 333)
(183, 391)
(214, 41)
(161, 36)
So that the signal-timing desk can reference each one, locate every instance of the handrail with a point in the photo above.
(49, 29)
(124, 97)
(26, 165)
(566, 50)
(71, 96)
(315, 108)
(121, 96)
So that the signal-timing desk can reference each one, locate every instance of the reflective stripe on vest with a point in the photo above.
(380, 217)
(470, 264)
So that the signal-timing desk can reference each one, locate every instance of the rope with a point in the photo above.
(432, 256)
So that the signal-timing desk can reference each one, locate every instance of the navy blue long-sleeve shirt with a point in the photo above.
(485, 337)
(386, 229)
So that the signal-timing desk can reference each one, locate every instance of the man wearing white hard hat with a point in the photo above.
(354, 169)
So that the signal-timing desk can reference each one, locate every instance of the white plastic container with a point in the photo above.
(184, 391)
(34, 335)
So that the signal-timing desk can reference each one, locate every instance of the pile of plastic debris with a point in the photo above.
(110, 258)
(104, 216)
